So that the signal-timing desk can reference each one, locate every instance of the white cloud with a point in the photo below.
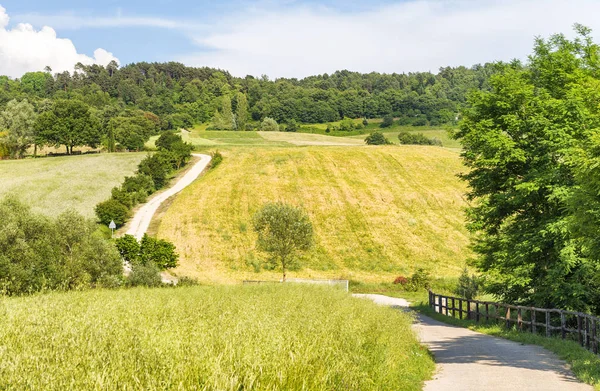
(25, 49)
(417, 35)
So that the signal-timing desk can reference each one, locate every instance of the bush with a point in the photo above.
(269, 125)
(376, 138)
(420, 279)
(417, 139)
(217, 158)
(158, 252)
(144, 275)
(112, 210)
(468, 285)
(158, 167)
(388, 121)
(365, 122)
(401, 280)
(292, 126)
(39, 253)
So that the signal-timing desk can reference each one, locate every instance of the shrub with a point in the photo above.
(128, 247)
(292, 126)
(144, 275)
(112, 210)
(417, 139)
(388, 121)
(157, 166)
(158, 252)
(365, 122)
(401, 280)
(468, 285)
(269, 125)
(420, 279)
(217, 158)
(376, 138)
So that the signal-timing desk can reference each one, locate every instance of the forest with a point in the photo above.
(119, 108)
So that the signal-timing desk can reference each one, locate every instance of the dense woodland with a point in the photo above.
(119, 108)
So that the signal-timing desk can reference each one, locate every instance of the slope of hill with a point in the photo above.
(377, 212)
(53, 185)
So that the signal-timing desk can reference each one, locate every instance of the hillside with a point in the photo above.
(53, 185)
(377, 212)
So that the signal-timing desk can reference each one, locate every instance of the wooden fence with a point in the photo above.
(578, 326)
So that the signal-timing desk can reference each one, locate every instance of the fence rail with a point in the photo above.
(551, 322)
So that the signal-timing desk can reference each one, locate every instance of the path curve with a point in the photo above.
(140, 222)
(467, 360)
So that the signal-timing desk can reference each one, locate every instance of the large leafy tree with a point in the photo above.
(69, 123)
(17, 120)
(522, 143)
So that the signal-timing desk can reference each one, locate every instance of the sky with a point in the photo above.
(288, 38)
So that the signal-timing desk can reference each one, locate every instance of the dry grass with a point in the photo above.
(377, 211)
(53, 185)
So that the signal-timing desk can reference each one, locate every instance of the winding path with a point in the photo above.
(140, 222)
(467, 360)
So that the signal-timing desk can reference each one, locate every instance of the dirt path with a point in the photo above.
(467, 360)
(140, 222)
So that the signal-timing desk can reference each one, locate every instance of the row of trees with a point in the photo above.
(72, 123)
(152, 174)
(119, 107)
(532, 146)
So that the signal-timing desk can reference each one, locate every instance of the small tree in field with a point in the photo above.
(283, 230)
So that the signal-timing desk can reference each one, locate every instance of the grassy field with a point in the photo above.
(270, 337)
(53, 185)
(377, 212)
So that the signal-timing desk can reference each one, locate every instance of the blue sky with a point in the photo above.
(293, 38)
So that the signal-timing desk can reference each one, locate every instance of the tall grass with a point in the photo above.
(280, 337)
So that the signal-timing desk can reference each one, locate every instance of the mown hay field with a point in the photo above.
(53, 185)
(378, 212)
(270, 337)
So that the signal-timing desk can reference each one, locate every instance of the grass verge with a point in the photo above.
(584, 364)
(269, 337)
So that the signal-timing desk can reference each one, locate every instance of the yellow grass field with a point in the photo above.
(54, 185)
(378, 212)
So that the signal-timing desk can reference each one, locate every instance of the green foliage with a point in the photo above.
(150, 251)
(147, 275)
(388, 121)
(420, 279)
(158, 167)
(17, 121)
(468, 285)
(417, 139)
(69, 123)
(216, 159)
(269, 125)
(292, 126)
(283, 230)
(301, 337)
(527, 144)
(112, 210)
(376, 138)
(39, 253)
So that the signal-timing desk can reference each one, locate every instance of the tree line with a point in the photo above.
(119, 108)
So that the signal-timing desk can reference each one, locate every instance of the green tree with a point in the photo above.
(269, 125)
(18, 120)
(388, 121)
(69, 123)
(376, 138)
(241, 111)
(112, 210)
(283, 230)
(520, 142)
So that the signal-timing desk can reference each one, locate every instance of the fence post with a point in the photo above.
(520, 319)
(468, 309)
(460, 311)
(563, 325)
(579, 330)
(548, 324)
(487, 312)
(594, 337)
(477, 311)
(446, 306)
(508, 317)
(453, 308)
(533, 325)
(439, 304)
(586, 331)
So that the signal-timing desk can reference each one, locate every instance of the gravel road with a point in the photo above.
(140, 222)
(467, 360)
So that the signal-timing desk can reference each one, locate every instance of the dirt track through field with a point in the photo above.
(467, 360)
(141, 220)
